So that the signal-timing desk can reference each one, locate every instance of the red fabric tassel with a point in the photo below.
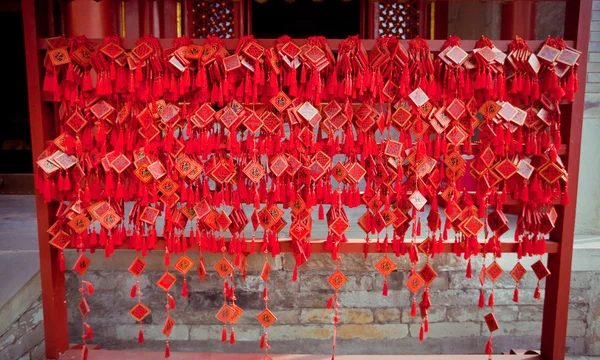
(141, 336)
(295, 274)
(516, 294)
(565, 198)
(536, 294)
(90, 287)
(167, 257)
(224, 334)
(133, 292)
(321, 212)
(491, 299)
(232, 337)
(172, 304)
(84, 352)
(421, 334)
(413, 308)
(89, 334)
(469, 270)
(167, 351)
(263, 340)
(385, 287)
(184, 288)
(488, 347)
(481, 299)
(330, 302)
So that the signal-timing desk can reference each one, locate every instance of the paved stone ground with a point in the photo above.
(19, 259)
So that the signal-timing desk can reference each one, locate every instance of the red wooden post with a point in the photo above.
(518, 18)
(556, 300)
(41, 114)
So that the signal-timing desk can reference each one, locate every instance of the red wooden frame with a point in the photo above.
(39, 22)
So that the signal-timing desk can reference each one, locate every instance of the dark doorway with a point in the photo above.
(334, 19)
(15, 141)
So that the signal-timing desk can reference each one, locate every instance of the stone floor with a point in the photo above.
(19, 259)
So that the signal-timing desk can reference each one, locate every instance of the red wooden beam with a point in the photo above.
(231, 44)
(352, 246)
(556, 301)
(42, 124)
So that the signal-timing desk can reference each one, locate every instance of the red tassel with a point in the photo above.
(516, 294)
(330, 302)
(385, 287)
(413, 308)
(90, 287)
(469, 269)
(422, 334)
(172, 304)
(491, 299)
(167, 351)
(224, 334)
(84, 352)
(167, 257)
(232, 337)
(263, 340)
(295, 274)
(536, 293)
(488, 347)
(184, 288)
(481, 299)
(133, 291)
(89, 334)
(141, 336)
(321, 212)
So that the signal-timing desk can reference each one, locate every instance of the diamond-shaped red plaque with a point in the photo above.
(473, 225)
(166, 281)
(337, 280)
(494, 271)
(428, 274)
(506, 168)
(184, 264)
(139, 312)
(417, 199)
(101, 109)
(223, 267)
(518, 272)
(540, 270)
(82, 264)
(266, 318)
(76, 122)
(281, 101)
(491, 322)
(224, 314)
(339, 226)
(137, 266)
(418, 96)
(279, 165)
(414, 283)
(236, 312)
(385, 266)
(266, 272)
(168, 186)
(551, 173)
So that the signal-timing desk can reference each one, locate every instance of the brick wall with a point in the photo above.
(369, 322)
(588, 203)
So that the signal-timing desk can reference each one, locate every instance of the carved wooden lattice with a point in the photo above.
(213, 18)
(398, 18)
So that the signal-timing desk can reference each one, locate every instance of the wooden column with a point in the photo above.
(93, 19)
(556, 299)
(518, 18)
(37, 22)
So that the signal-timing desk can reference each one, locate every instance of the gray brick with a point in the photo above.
(594, 57)
(387, 315)
(214, 332)
(595, 26)
(372, 331)
(593, 78)
(318, 282)
(520, 328)
(369, 299)
(448, 329)
(595, 15)
(152, 332)
(474, 313)
(576, 328)
(436, 314)
(294, 332)
(346, 316)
